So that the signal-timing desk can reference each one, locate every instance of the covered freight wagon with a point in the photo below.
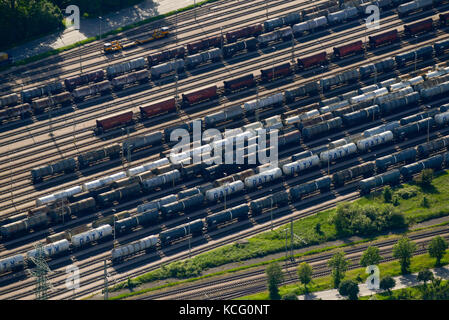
(116, 120)
(245, 32)
(158, 108)
(199, 95)
(349, 49)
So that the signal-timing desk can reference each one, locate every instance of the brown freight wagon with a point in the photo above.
(349, 49)
(199, 95)
(203, 44)
(419, 27)
(250, 31)
(63, 98)
(276, 72)
(311, 61)
(158, 108)
(166, 55)
(73, 82)
(383, 38)
(115, 120)
(239, 83)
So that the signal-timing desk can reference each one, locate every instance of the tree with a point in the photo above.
(370, 257)
(318, 228)
(275, 277)
(305, 274)
(387, 283)
(387, 194)
(403, 250)
(349, 288)
(424, 276)
(339, 265)
(437, 248)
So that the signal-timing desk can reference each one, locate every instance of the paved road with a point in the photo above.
(91, 27)
(401, 282)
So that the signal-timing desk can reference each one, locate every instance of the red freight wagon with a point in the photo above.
(202, 94)
(158, 108)
(310, 61)
(348, 49)
(239, 83)
(418, 27)
(94, 76)
(158, 57)
(203, 44)
(115, 120)
(250, 31)
(278, 71)
(383, 38)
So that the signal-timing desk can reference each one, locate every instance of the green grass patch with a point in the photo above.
(274, 241)
(393, 268)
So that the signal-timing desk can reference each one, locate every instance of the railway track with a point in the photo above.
(285, 57)
(238, 286)
(34, 160)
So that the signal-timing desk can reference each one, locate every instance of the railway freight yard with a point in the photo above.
(348, 107)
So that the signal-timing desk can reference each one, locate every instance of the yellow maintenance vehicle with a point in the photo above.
(115, 46)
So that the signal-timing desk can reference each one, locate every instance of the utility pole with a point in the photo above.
(271, 209)
(293, 51)
(40, 272)
(286, 248)
(190, 237)
(50, 118)
(291, 239)
(266, 7)
(194, 8)
(106, 293)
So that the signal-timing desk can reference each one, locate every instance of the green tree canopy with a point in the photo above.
(305, 274)
(425, 275)
(403, 250)
(387, 283)
(370, 257)
(339, 265)
(274, 278)
(437, 248)
(349, 288)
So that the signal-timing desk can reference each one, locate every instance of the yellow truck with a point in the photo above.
(115, 46)
(4, 59)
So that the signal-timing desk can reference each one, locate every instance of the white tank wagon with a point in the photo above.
(134, 247)
(51, 249)
(273, 123)
(375, 140)
(90, 90)
(202, 57)
(168, 67)
(334, 106)
(338, 153)
(309, 25)
(148, 167)
(225, 190)
(395, 95)
(273, 100)
(123, 67)
(442, 118)
(91, 185)
(411, 6)
(437, 90)
(59, 196)
(283, 33)
(369, 95)
(300, 165)
(263, 177)
(390, 126)
(11, 263)
(342, 15)
(160, 180)
(140, 76)
(84, 238)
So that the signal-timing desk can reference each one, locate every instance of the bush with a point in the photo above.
(425, 202)
(407, 192)
(352, 218)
